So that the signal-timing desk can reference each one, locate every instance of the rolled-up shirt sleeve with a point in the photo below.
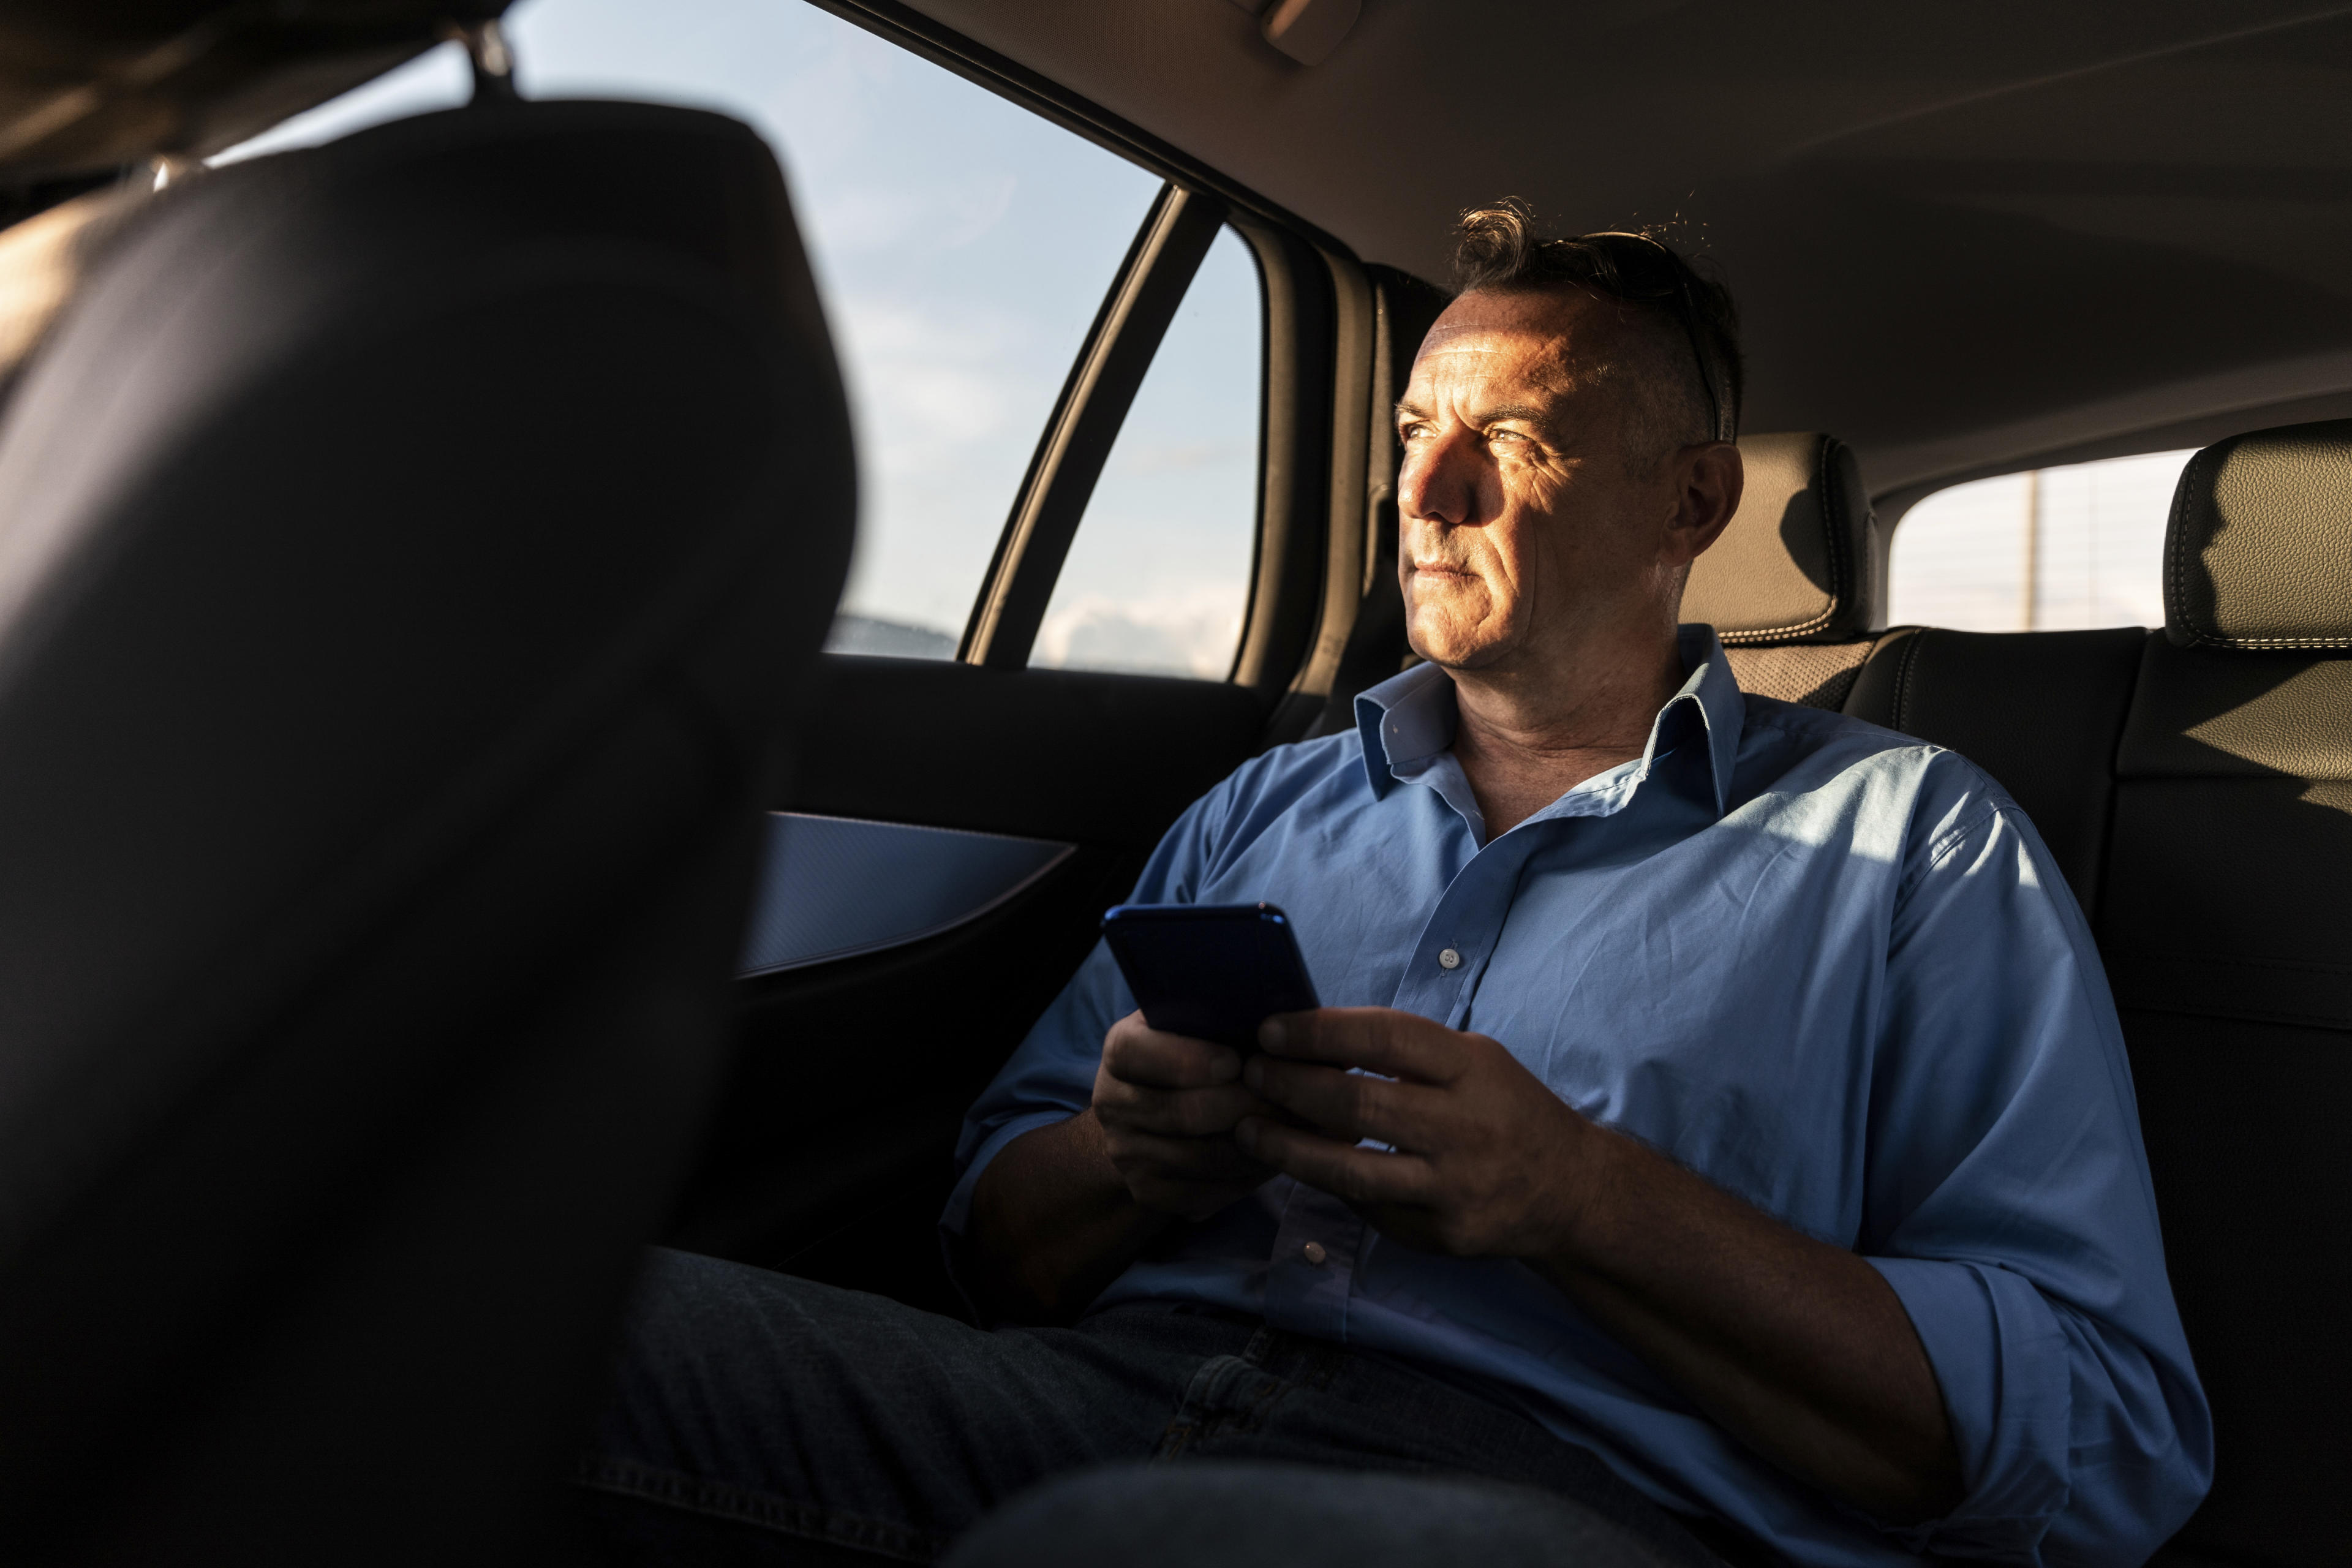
(2007, 1203)
(1051, 1078)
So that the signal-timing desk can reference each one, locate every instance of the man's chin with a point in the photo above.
(1458, 653)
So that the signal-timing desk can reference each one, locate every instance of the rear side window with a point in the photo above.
(962, 244)
(2051, 550)
(1158, 574)
(963, 247)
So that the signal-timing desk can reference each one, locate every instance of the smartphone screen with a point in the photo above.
(1214, 972)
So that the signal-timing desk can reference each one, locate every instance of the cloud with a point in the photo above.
(1192, 633)
(1176, 458)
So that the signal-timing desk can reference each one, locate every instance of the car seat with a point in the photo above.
(409, 552)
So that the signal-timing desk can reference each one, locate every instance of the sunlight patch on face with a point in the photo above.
(1451, 339)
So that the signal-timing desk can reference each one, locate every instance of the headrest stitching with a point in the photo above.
(2176, 549)
(1768, 634)
(2204, 641)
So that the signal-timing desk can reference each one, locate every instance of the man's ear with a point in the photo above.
(1708, 479)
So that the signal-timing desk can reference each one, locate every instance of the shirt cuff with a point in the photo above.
(2002, 1361)
(957, 1218)
(955, 1221)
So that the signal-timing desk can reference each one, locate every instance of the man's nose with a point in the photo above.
(1439, 480)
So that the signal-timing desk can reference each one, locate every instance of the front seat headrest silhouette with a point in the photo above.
(409, 552)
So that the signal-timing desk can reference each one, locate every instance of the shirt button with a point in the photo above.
(1313, 1252)
(1449, 959)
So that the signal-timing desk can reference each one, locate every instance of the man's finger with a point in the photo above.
(1346, 1104)
(1179, 1112)
(1351, 1175)
(1378, 1039)
(1203, 1160)
(1138, 1053)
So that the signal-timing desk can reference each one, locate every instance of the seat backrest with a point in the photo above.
(2196, 786)
(2226, 922)
(408, 552)
(2042, 713)
(1794, 585)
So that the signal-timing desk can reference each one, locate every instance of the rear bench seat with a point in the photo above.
(2195, 785)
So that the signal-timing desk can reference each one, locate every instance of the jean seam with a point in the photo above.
(746, 1505)
(1201, 1413)
(1209, 1408)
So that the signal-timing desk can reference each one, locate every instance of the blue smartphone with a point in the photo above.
(1214, 972)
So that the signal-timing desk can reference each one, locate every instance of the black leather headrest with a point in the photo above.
(2258, 554)
(1794, 565)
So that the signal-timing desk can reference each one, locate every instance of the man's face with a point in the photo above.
(1524, 531)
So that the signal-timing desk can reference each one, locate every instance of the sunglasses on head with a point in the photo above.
(1718, 401)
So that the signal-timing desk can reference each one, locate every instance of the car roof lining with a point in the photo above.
(1966, 240)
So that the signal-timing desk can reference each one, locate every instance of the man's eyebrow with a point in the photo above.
(1503, 413)
(1500, 414)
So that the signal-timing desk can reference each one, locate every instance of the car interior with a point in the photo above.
(452, 840)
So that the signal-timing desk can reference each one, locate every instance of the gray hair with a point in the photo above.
(1686, 321)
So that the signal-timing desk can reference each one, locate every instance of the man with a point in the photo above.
(1721, 1121)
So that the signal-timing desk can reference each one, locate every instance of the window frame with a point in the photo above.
(1113, 359)
(1312, 531)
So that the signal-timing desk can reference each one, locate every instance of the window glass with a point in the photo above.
(962, 244)
(437, 79)
(2051, 550)
(1159, 572)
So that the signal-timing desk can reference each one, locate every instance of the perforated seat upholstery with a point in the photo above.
(2196, 784)
(408, 552)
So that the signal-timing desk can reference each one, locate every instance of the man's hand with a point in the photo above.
(1487, 1162)
(1796, 1346)
(1066, 1207)
(1168, 1106)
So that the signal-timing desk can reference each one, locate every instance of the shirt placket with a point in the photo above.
(1320, 1244)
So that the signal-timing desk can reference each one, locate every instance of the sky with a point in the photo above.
(962, 246)
(1157, 574)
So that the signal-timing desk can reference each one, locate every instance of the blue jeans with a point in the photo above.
(765, 1419)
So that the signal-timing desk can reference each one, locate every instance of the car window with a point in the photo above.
(2051, 550)
(1158, 574)
(962, 244)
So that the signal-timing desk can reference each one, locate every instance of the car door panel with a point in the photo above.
(851, 1076)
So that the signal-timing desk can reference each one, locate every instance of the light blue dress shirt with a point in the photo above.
(1827, 966)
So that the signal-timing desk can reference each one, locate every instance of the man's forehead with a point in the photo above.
(1543, 332)
(1466, 339)
(1464, 355)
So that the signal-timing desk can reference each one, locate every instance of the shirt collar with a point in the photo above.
(1410, 717)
